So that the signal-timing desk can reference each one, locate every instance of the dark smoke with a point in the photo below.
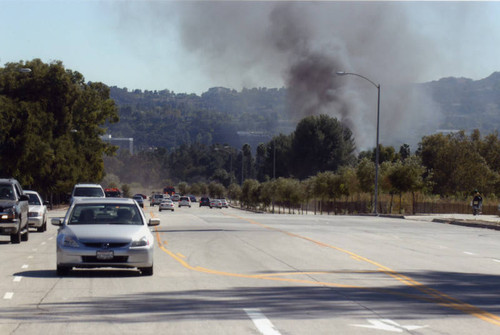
(310, 76)
(302, 45)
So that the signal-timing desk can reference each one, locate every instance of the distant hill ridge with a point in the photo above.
(226, 116)
(468, 104)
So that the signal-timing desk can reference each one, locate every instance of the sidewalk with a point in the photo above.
(468, 220)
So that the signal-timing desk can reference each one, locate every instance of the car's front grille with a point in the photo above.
(105, 245)
(116, 259)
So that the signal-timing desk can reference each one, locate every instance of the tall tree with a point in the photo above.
(50, 125)
(320, 143)
(456, 165)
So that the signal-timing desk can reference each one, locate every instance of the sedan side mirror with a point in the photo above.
(154, 222)
(57, 221)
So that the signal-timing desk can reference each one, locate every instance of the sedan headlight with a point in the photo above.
(9, 213)
(142, 242)
(70, 241)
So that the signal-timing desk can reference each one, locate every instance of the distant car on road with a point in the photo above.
(224, 203)
(87, 191)
(166, 205)
(175, 197)
(156, 199)
(192, 198)
(112, 192)
(215, 203)
(107, 232)
(204, 201)
(139, 199)
(37, 216)
(184, 201)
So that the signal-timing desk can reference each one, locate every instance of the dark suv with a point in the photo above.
(14, 210)
(204, 201)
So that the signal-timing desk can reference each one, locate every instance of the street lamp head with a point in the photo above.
(24, 70)
(341, 73)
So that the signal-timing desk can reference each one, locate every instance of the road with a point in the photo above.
(226, 271)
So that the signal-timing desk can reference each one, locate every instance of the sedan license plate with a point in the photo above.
(105, 254)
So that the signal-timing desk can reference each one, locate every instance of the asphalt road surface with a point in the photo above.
(226, 271)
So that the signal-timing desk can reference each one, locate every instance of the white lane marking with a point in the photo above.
(8, 295)
(260, 321)
(469, 253)
(30, 257)
(34, 249)
(496, 260)
(44, 243)
(17, 279)
(25, 266)
(388, 325)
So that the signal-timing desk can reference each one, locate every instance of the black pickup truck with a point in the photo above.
(14, 210)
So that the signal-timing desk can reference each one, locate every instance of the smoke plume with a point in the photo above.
(301, 45)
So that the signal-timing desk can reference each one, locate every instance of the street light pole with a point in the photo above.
(377, 149)
(274, 159)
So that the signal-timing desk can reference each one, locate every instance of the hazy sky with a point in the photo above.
(191, 46)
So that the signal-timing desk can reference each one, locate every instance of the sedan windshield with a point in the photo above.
(88, 192)
(105, 214)
(34, 200)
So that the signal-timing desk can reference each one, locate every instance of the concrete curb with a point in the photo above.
(475, 224)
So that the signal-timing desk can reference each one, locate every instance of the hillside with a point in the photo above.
(221, 115)
(467, 104)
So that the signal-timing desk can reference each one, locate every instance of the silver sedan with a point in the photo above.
(100, 232)
(37, 216)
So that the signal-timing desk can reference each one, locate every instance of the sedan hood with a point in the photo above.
(35, 208)
(108, 233)
(7, 204)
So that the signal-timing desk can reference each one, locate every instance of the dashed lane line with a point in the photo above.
(263, 324)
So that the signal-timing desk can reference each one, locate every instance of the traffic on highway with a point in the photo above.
(230, 271)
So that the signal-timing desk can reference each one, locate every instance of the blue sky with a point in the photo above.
(159, 45)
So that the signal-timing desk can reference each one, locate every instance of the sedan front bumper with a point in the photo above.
(35, 221)
(121, 257)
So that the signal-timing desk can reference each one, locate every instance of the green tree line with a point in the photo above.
(320, 154)
(51, 121)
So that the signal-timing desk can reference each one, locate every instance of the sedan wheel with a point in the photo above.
(26, 235)
(63, 270)
(42, 228)
(146, 271)
(15, 238)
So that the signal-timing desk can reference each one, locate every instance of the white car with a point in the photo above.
(215, 203)
(107, 232)
(166, 205)
(156, 199)
(184, 201)
(37, 216)
(224, 203)
(87, 191)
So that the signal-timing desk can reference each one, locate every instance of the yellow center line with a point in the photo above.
(436, 296)
(441, 298)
